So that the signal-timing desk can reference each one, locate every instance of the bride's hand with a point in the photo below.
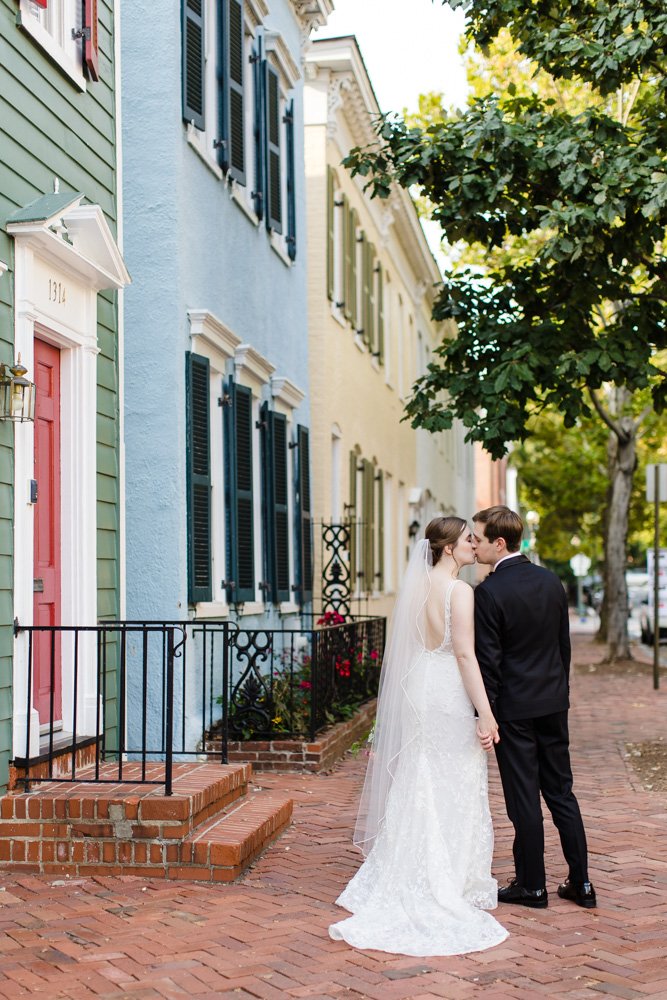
(487, 731)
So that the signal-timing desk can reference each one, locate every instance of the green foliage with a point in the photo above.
(563, 476)
(574, 199)
(603, 42)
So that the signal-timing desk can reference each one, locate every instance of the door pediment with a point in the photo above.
(77, 237)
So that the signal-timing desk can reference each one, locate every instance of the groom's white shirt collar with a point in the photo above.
(510, 555)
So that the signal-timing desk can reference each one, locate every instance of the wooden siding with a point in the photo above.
(49, 129)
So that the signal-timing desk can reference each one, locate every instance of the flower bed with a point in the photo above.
(291, 685)
(300, 754)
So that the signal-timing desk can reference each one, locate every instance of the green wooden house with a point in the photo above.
(61, 275)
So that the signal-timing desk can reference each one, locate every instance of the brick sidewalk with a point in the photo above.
(266, 937)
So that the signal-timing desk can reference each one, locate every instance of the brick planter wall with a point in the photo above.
(300, 755)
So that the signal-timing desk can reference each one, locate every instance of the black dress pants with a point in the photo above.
(534, 757)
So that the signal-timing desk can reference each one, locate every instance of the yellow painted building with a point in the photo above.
(372, 283)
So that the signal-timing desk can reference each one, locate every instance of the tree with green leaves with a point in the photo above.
(575, 320)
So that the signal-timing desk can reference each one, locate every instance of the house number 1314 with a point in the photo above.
(57, 292)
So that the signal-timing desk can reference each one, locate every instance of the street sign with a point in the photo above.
(580, 564)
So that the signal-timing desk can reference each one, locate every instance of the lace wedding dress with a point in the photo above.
(424, 887)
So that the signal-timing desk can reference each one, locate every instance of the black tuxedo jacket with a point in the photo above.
(522, 640)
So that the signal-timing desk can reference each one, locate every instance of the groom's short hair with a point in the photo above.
(501, 522)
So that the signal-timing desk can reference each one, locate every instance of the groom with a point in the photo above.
(522, 641)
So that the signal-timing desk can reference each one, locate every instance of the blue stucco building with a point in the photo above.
(216, 364)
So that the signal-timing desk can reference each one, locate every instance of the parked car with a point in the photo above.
(646, 622)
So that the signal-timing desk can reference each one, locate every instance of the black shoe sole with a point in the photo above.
(533, 904)
(586, 904)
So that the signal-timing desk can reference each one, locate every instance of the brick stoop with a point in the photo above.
(210, 829)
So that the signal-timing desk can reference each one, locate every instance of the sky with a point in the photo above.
(410, 47)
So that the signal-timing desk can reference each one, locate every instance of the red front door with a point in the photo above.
(47, 680)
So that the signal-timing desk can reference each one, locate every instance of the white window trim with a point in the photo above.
(238, 194)
(285, 391)
(197, 140)
(31, 25)
(281, 57)
(278, 243)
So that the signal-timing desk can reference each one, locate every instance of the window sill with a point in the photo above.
(194, 140)
(237, 194)
(338, 315)
(252, 608)
(48, 44)
(211, 609)
(277, 246)
(289, 608)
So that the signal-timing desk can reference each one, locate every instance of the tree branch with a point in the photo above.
(631, 100)
(642, 416)
(602, 413)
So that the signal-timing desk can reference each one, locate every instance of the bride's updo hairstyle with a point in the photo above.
(443, 531)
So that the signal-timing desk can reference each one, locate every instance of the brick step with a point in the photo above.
(229, 843)
(87, 829)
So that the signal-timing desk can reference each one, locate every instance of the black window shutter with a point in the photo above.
(354, 297)
(231, 147)
(239, 502)
(331, 193)
(193, 61)
(276, 516)
(380, 315)
(369, 320)
(368, 532)
(354, 519)
(198, 459)
(304, 515)
(365, 289)
(259, 83)
(348, 250)
(379, 576)
(291, 181)
(274, 208)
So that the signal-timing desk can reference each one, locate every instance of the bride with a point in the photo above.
(424, 822)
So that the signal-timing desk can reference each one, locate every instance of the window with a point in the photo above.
(366, 508)
(355, 276)
(247, 466)
(275, 504)
(237, 103)
(198, 455)
(68, 31)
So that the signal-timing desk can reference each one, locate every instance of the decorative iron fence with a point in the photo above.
(138, 692)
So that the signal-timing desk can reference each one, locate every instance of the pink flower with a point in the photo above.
(306, 685)
(374, 654)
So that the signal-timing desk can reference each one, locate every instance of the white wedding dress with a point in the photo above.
(426, 884)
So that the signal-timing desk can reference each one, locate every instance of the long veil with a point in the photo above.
(393, 732)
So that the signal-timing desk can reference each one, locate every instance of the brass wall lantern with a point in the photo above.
(17, 393)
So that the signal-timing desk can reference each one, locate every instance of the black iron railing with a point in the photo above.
(140, 692)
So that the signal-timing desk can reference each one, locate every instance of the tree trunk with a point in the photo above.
(622, 458)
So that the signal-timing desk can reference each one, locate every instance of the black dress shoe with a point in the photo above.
(515, 893)
(581, 893)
